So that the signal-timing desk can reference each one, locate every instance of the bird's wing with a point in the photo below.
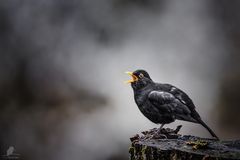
(183, 98)
(160, 97)
(160, 100)
(167, 102)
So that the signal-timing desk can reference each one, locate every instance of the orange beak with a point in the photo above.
(134, 78)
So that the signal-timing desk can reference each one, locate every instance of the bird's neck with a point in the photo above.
(142, 90)
(141, 95)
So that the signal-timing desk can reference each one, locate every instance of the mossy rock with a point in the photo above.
(183, 147)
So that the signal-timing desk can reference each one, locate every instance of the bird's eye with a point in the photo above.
(141, 75)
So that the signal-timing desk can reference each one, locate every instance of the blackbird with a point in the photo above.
(163, 103)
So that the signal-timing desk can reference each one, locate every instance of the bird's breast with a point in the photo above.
(141, 97)
(149, 110)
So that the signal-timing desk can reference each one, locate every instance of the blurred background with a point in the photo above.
(62, 67)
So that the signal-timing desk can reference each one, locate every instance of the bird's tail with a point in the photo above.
(209, 130)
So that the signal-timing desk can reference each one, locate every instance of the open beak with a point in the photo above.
(134, 78)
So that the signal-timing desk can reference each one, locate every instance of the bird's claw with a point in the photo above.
(169, 131)
(159, 136)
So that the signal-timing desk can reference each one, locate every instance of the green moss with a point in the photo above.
(144, 148)
(199, 144)
(132, 152)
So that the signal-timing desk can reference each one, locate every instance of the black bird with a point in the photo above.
(163, 103)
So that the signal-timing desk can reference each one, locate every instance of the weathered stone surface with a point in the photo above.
(148, 147)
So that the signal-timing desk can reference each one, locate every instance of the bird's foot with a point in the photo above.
(159, 136)
(154, 134)
(170, 131)
(164, 133)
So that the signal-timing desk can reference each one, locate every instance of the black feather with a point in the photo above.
(164, 103)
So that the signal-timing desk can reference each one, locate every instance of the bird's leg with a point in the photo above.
(160, 128)
(158, 134)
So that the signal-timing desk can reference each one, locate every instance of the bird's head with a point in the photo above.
(140, 78)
